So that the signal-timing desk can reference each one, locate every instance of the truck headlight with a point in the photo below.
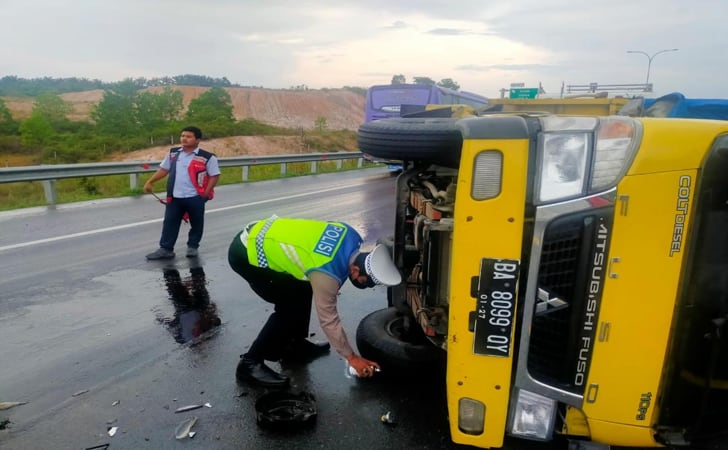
(532, 416)
(583, 155)
(563, 165)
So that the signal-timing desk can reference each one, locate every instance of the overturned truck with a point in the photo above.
(569, 273)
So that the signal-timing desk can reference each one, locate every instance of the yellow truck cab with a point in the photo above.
(569, 272)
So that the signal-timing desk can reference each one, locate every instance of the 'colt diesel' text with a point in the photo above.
(681, 213)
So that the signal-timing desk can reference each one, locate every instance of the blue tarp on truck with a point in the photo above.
(676, 105)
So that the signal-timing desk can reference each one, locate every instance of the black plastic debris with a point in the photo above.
(98, 447)
(280, 410)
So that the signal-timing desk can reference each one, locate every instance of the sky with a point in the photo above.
(483, 45)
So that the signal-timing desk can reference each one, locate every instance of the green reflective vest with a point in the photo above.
(299, 246)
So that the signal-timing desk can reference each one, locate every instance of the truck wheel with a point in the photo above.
(384, 337)
(436, 141)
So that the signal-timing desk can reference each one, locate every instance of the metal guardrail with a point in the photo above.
(48, 174)
(596, 87)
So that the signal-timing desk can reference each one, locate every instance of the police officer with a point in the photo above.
(288, 262)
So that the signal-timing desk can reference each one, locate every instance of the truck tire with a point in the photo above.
(435, 141)
(383, 337)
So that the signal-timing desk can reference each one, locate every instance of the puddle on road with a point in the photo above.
(72, 321)
(194, 313)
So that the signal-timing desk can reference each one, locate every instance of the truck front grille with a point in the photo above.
(565, 268)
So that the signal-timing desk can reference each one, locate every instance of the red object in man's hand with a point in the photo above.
(185, 217)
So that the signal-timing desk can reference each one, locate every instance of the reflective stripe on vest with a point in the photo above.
(259, 239)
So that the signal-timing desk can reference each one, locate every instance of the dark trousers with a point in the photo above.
(291, 297)
(173, 213)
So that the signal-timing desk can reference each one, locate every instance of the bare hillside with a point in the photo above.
(227, 147)
(342, 109)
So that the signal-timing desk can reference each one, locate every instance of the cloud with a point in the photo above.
(396, 25)
(483, 45)
(448, 32)
(511, 67)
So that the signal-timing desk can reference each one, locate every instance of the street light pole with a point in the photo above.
(650, 58)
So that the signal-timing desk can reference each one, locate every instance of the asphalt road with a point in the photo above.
(93, 336)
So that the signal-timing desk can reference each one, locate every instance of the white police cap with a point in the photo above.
(380, 268)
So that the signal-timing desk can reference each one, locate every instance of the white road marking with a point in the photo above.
(136, 224)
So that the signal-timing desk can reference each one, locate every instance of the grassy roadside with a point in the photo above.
(29, 194)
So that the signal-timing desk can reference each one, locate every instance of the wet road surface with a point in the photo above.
(93, 336)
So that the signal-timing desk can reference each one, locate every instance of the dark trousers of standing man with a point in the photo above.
(291, 297)
(173, 213)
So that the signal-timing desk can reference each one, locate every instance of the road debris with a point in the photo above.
(286, 410)
(187, 408)
(76, 394)
(387, 418)
(8, 405)
(184, 429)
(191, 407)
(112, 431)
(98, 447)
(115, 403)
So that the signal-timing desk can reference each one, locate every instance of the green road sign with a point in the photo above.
(523, 93)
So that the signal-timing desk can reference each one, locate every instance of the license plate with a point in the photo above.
(496, 307)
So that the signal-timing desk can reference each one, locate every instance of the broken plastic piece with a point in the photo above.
(98, 447)
(191, 407)
(8, 405)
(184, 429)
(113, 430)
(286, 410)
(76, 394)
(115, 403)
(187, 408)
(387, 418)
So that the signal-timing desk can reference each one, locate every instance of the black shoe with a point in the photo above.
(303, 351)
(160, 253)
(258, 373)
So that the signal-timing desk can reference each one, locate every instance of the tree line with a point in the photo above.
(448, 83)
(13, 86)
(125, 119)
(128, 117)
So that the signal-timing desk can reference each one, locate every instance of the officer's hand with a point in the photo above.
(363, 366)
(148, 187)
